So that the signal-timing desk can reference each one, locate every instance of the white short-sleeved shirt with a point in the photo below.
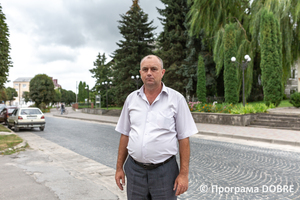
(154, 129)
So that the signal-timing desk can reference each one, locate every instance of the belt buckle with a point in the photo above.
(145, 166)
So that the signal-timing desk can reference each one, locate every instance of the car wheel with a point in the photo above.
(16, 128)
(42, 128)
(8, 126)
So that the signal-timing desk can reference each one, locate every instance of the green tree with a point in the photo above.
(5, 60)
(68, 96)
(212, 16)
(41, 89)
(102, 72)
(26, 97)
(11, 94)
(201, 82)
(3, 96)
(82, 92)
(271, 58)
(230, 70)
(172, 43)
(195, 47)
(57, 96)
(138, 40)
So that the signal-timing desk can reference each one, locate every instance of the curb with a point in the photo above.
(272, 141)
(94, 120)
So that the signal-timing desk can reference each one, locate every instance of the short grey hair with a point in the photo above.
(149, 56)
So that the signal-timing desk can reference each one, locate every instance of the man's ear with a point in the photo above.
(163, 72)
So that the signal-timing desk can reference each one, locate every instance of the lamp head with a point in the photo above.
(233, 59)
(247, 58)
(132, 77)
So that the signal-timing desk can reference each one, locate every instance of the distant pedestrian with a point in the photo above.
(62, 108)
(154, 118)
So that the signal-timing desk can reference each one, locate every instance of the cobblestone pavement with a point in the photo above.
(251, 171)
(220, 170)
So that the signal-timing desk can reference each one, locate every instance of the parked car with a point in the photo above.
(5, 113)
(26, 118)
(2, 106)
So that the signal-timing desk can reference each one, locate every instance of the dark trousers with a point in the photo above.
(155, 184)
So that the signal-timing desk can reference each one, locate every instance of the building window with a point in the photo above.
(293, 73)
(16, 84)
(24, 85)
(17, 89)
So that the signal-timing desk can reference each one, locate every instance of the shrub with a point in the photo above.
(42, 106)
(295, 99)
(229, 108)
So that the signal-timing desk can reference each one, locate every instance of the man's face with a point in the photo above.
(151, 72)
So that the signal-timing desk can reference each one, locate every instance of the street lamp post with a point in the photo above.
(106, 86)
(87, 88)
(136, 78)
(244, 65)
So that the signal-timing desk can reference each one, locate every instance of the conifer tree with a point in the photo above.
(271, 66)
(5, 60)
(195, 46)
(80, 92)
(138, 41)
(201, 83)
(172, 42)
(230, 70)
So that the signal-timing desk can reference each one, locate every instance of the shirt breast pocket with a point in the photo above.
(165, 120)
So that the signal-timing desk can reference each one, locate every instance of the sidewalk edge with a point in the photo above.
(94, 120)
(249, 138)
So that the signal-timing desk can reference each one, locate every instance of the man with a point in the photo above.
(153, 119)
(62, 109)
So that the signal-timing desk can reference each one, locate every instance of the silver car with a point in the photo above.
(26, 118)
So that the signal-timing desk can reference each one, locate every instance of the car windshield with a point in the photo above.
(2, 106)
(30, 112)
(10, 110)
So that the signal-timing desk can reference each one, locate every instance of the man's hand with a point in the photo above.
(120, 175)
(181, 184)
(120, 178)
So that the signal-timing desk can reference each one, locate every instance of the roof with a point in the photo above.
(23, 79)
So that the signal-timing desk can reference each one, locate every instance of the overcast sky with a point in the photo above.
(61, 38)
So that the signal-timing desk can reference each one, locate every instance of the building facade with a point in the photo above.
(293, 83)
(21, 85)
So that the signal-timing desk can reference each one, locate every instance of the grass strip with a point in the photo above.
(4, 129)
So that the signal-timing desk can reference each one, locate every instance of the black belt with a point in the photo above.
(150, 166)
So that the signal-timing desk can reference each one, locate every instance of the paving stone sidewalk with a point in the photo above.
(277, 136)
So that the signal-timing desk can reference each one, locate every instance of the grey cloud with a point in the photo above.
(55, 54)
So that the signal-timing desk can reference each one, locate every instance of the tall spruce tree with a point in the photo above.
(5, 60)
(138, 41)
(271, 66)
(230, 70)
(172, 42)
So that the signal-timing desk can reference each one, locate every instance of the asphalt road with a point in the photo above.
(218, 170)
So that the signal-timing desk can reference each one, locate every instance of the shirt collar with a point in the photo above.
(163, 90)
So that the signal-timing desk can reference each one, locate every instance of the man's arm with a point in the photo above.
(122, 155)
(182, 180)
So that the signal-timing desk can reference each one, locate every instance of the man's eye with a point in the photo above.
(145, 69)
(153, 69)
